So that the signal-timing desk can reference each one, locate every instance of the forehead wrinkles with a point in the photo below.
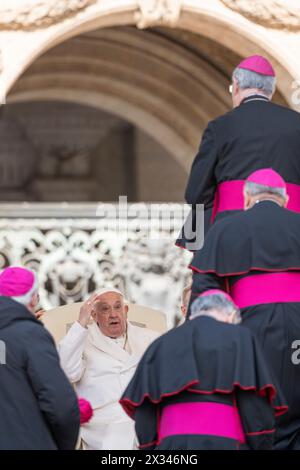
(103, 304)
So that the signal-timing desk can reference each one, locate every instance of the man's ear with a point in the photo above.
(33, 303)
(231, 318)
(93, 315)
(287, 198)
(34, 300)
(126, 308)
(235, 88)
(247, 201)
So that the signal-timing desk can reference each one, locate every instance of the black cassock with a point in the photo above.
(257, 134)
(255, 257)
(204, 385)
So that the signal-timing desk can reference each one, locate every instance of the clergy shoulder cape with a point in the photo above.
(204, 385)
(256, 134)
(101, 370)
(255, 257)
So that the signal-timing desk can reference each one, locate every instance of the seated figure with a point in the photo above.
(99, 355)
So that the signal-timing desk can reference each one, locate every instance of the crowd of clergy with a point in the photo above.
(228, 376)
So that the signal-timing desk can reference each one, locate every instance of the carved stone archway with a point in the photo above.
(157, 79)
(27, 31)
(30, 32)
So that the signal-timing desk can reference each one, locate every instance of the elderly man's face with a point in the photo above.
(110, 313)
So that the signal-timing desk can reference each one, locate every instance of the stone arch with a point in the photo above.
(172, 104)
(213, 21)
(172, 115)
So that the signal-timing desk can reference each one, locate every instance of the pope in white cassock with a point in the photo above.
(100, 358)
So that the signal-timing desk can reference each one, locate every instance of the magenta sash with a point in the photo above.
(229, 197)
(203, 418)
(266, 289)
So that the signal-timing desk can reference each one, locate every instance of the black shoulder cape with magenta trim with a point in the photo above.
(205, 356)
(265, 237)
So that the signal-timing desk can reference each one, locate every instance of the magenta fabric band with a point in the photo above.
(229, 197)
(293, 191)
(211, 419)
(266, 289)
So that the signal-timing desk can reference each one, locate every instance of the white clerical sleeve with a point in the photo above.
(70, 351)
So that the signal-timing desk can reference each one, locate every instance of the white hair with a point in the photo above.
(215, 302)
(254, 189)
(247, 79)
(26, 298)
(105, 290)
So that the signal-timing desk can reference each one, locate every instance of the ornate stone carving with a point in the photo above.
(278, 14)
(74, 253)
(153, 12)
(41, 13)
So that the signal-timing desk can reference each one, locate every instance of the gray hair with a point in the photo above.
(254, 189)
(248, 79)
(205, 306)
(25, 299)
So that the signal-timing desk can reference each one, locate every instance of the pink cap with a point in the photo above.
(217, 292)
(258, 64)
(16, 281)
(267, 177)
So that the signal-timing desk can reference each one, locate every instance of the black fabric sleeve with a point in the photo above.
(203, 282)
(54, 393)
(258, 419)
(146, 423)
(202, 184)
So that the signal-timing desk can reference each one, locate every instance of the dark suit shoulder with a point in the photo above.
(284, 110)
(261, 108)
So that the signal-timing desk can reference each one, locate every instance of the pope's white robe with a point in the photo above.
(101, 370)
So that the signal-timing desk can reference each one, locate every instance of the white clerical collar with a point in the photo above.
(121, 341)
(267, 199)
(255, 97)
